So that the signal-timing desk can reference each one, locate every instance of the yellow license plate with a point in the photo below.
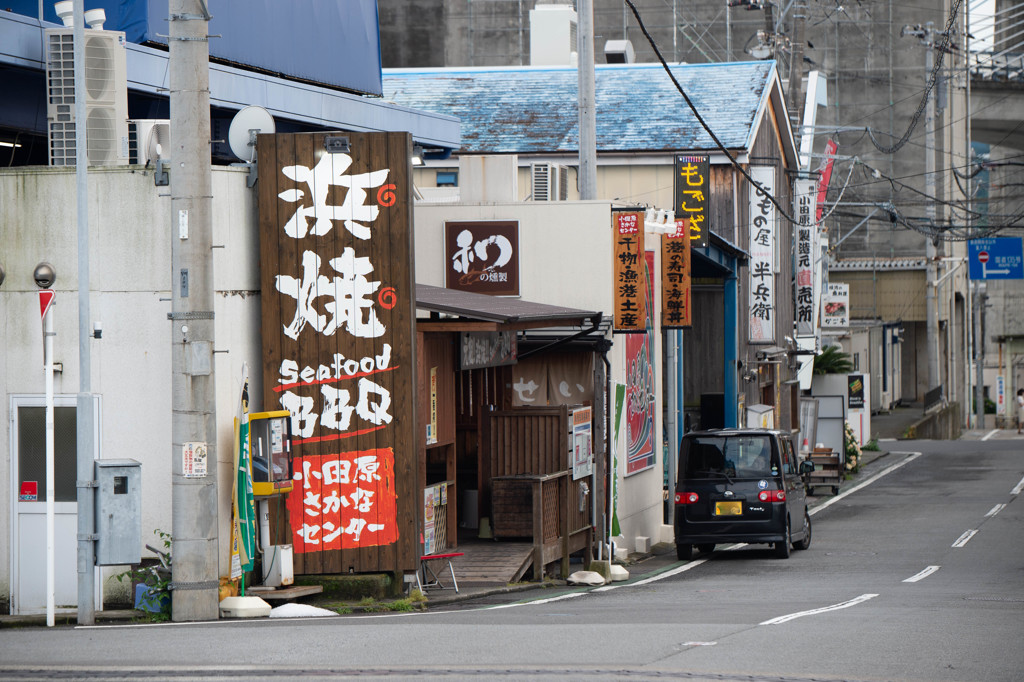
(734, 508)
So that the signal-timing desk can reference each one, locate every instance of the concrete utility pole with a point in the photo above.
(194, 569)
(84, 417)
(588, 116)
(931, 255)
(927, 37)
(796, 67)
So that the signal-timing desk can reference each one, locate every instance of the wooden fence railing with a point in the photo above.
(532, 491)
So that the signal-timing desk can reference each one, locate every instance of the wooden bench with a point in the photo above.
(435, 576)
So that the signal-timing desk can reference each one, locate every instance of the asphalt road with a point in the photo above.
(917, 575)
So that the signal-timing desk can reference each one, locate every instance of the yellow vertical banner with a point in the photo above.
(432, 427)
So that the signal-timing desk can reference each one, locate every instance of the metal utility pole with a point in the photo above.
(588, 117)
(979, 352)
(84, 417)
(194, 513)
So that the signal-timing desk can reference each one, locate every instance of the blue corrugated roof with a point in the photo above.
(533, 109)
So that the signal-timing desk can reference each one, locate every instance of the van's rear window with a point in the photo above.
(733, 456)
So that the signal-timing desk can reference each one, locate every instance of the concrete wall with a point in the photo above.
(130, 275)
(565, 259)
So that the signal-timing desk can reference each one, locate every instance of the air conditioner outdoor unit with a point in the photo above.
(106, 97)
(549, 181)
(149, 139)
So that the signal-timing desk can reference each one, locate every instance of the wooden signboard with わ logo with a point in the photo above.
(338, 302)
(482, 257)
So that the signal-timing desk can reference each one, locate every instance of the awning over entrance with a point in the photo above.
(480, 312)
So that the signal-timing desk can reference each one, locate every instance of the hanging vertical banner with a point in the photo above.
(806, 231)
(675, 278)
(692, 190)
(762, 256)
(824, 177)
(837, 306)
(630, 294)
(338, 300)
(640, 397)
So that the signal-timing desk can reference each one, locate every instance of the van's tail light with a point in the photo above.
(772, 496)
(686, 498)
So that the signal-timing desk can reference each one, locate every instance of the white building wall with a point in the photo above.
(565, 259)
(130, 245)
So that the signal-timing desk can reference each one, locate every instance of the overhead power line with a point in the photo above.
(932, 77)
(700, 119)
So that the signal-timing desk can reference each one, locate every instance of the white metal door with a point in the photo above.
(28, 477)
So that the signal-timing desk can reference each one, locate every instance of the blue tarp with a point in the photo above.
(332, 42)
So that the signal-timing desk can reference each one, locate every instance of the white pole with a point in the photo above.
(48, 369)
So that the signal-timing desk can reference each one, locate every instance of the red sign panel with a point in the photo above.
(29, 491)
(45, 301)
(345, 500)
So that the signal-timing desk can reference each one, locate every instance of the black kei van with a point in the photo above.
(740, 485)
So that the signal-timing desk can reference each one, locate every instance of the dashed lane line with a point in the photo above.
(922, 575)
(965, 538)
(995, 510)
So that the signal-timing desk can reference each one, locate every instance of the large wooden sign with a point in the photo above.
(338, 301)
(675, 278)
(630, 293)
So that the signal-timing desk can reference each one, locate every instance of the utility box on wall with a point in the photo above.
(118, 512)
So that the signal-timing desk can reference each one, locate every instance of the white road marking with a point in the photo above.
(699, 643)
(571, 595)
(813, 612)
(667, 574)
(880, 474)
(990, 434)
(965, 538)
(995, 510)
(922, 575)
(1017, 488)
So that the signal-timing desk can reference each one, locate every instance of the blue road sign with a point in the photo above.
(996, 258)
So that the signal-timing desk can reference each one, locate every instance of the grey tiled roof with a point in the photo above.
(533, 109)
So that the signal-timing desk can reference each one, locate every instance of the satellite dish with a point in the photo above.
(239, 139)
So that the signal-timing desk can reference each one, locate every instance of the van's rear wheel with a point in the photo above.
(782, 548)
(806, 542)
(684, 552)
(706, 548)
